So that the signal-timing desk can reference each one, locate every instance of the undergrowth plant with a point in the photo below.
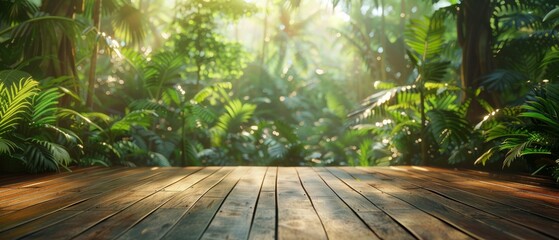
(29, 134)
(529, 132)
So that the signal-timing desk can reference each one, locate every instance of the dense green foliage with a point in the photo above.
(154, 83)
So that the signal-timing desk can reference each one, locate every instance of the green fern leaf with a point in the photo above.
(16, 100)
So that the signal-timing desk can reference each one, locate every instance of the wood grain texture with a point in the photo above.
(278, 203)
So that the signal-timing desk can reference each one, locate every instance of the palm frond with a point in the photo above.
(502, 80)
(45, 106)
(163, 71)
(211, 90)
(40, 155)
(202, 113)
(13, 12)
(448, 127)
(434, 71)
(425, 37)
(141, 118)
(7, 146)
(286, 131)
(380, 98)
(88, 118)
(16, 100)
(236, 114)
(130, 23)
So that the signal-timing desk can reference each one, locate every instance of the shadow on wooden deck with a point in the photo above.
(277, 202)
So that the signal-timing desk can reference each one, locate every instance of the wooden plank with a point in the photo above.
(335, 215)
(161, 181)
(189, 196)
(193, 224)
(444, 174)
(115, 195)
(9, 193)
(61, 182)
(528, 201)
(20, 217)
(49, 193)
(122, 221)
(155, 225)
(27, 199)
(192, 179)
(158, 223)
(297, 219)
(71, 227)
(264, 222)
(544, 181)
(195, 221)
(30, 179)
(428, 228)
(121, 202)
(4, 212)
(38, 224)
(269, 184)
(520, 217)
(337, 218)
(234, 217)
(381, 223)
(463, 203)
(137, 177)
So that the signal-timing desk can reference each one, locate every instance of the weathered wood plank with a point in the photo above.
(381, 223)
(234, 217)
(458, 204)
(196, 220)
(19, 180)
(30, 199)
(264, 222)
(429, 227)
(192, 179)
(161, 181)
(189, 196)
(38, 224)
(193, 224)
(444, 174)
(20, 217)
(335, 215)
(125, 219)
(158, 223)
(43, 194)
(276, 202)
(71, 227)
(155, 225)
(297, 218)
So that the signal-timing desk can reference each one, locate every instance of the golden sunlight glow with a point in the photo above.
(420, 168)
(398, 169)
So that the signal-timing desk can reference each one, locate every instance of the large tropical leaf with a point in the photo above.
(236, 114)
(45, 106)
(12, 12)
(448, 127)
(141, 118)
(16, 100)
(41, 155)
(425, 37)
(162, 72)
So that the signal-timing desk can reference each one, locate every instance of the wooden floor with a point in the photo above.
(277, 202)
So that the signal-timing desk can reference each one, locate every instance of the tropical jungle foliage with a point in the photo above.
(279, 82)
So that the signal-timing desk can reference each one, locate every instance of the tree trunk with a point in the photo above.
(475, 37)
(93, 62)
(65, 64)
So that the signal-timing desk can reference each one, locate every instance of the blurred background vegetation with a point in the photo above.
(279, 82)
